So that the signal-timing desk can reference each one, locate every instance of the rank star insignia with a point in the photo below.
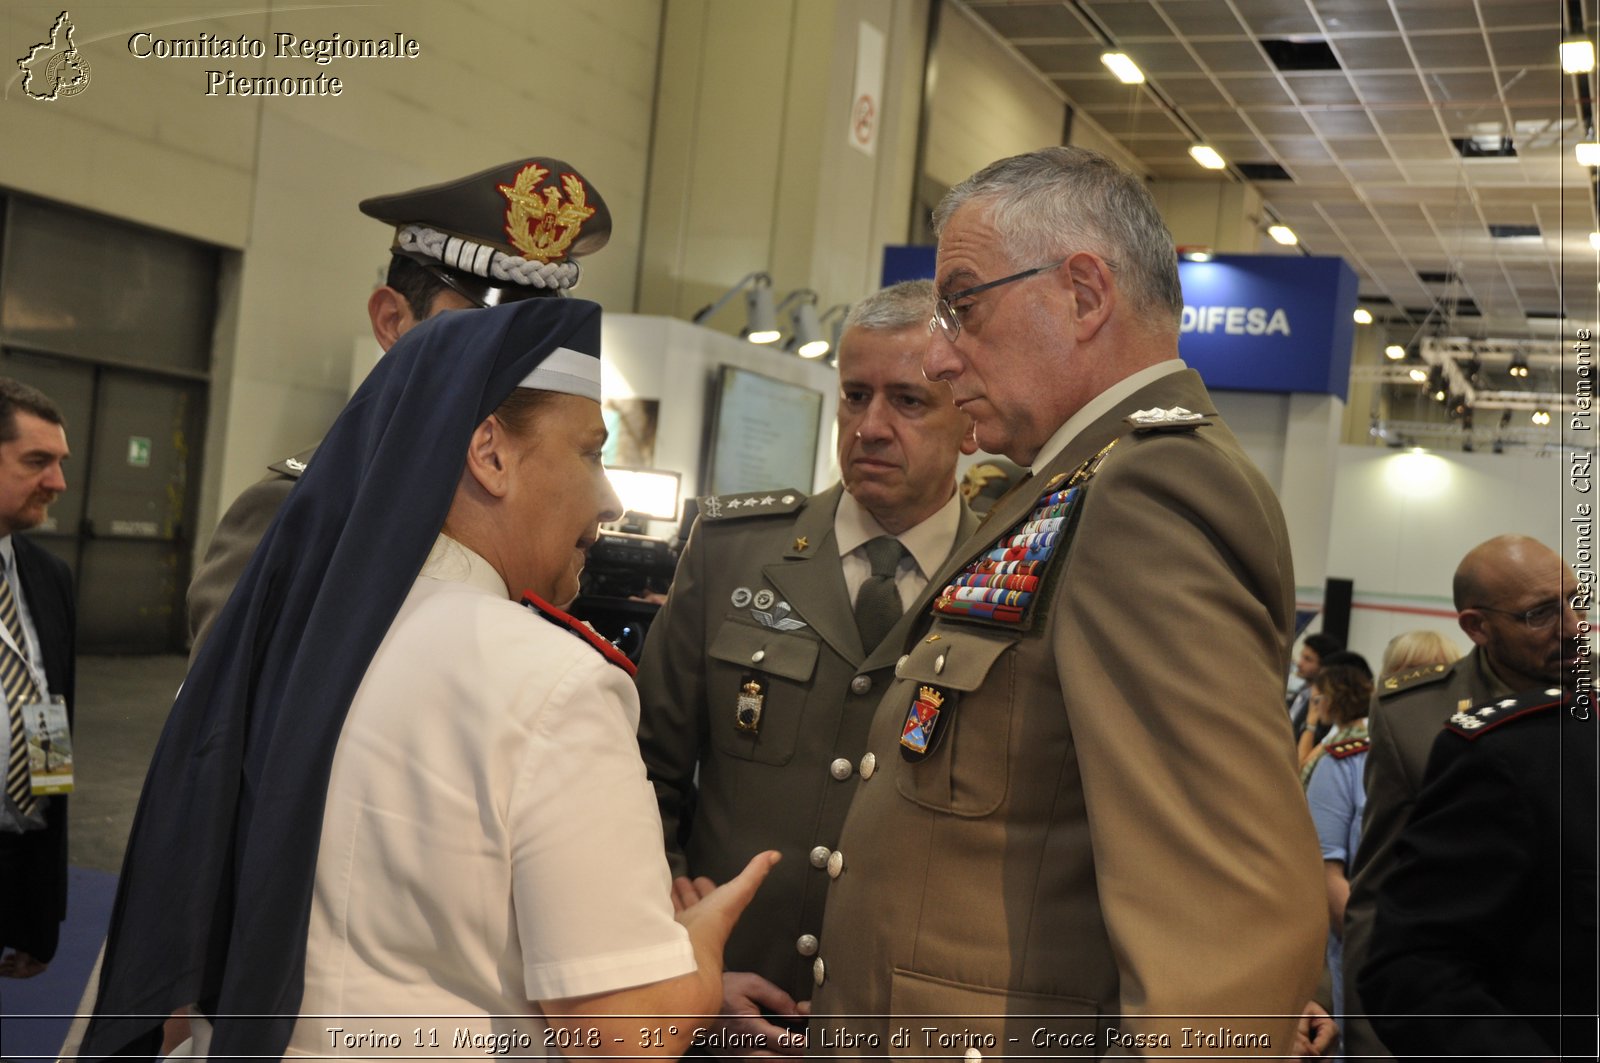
(543, 227)
(802, 543)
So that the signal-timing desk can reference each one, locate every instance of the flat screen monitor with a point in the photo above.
(763, 433)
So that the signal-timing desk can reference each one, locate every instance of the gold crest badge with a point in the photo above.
(543, 226)
(747, 707)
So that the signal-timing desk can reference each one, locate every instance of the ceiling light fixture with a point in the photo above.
(1283, 234)
(1519, 365)
(1594, 240)
(1125, 69)
(1394, 352)
(1587, 153)
(1541, 417)
(1577, 56)
(1207, 156)
(807, 341)
(1419, 374)
(1363, 316)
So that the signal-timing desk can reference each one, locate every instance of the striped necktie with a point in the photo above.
(16, 680)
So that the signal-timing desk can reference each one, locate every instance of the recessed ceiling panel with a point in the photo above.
(1231, 57)
(1312, 89)
(1082, 58)
(1052, 20)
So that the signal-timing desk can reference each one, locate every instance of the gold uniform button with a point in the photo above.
(861, 684)
(835, 863)
(819, 856)
(819, 971)
(840, 769)
(806, 945)
(869, 764)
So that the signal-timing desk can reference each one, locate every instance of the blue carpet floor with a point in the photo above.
(35, 1012)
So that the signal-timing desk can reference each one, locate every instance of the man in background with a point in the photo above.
(37, 662)
(781, 631)
(513, 231)
(1514, 596)
(1316, 646)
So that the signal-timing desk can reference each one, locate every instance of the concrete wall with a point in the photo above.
(277, 179)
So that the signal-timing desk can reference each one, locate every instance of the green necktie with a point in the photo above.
(878, 601)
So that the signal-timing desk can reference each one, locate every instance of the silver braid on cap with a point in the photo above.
(475, 258)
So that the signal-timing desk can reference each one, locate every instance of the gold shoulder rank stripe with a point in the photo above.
(1417, 677)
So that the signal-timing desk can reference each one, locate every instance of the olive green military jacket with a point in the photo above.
(759, 597)
(1110, 829)
(1410, 712)
(233, 543)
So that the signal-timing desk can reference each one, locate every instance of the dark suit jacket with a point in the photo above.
(1410, 710)
(727, 794)
(1485, 928)
(33, 866)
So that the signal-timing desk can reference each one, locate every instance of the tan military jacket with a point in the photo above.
(1110, 829)
(759, 596)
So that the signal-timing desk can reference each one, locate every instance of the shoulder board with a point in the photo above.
(601, 645)
(1177, 419)
(294, 464)
(751, 504)
(1350, 747)
(1417, 677)
(1473, 723)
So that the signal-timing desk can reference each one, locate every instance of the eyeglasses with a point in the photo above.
(944, 311)
(1536, 619)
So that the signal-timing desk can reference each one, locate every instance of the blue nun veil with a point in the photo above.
(215, 894)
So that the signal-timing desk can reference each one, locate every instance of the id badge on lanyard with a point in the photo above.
(49, 746)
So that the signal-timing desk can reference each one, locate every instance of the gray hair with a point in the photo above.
(1057, 201)
(893, 308)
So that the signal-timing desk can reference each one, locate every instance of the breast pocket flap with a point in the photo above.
(762, 649)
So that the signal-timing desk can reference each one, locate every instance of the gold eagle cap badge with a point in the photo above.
(543, 226)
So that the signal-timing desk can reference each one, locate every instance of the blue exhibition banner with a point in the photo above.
(1275, 323)
(1269, 322)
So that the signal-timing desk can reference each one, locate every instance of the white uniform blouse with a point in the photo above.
(489, 839)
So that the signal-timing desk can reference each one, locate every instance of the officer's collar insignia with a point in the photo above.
(1157, 418)
(294, 465)
(543, 226)
(802, 543)
(922, 730)
(1472, 722)
(581, 629)
(1003, 583)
